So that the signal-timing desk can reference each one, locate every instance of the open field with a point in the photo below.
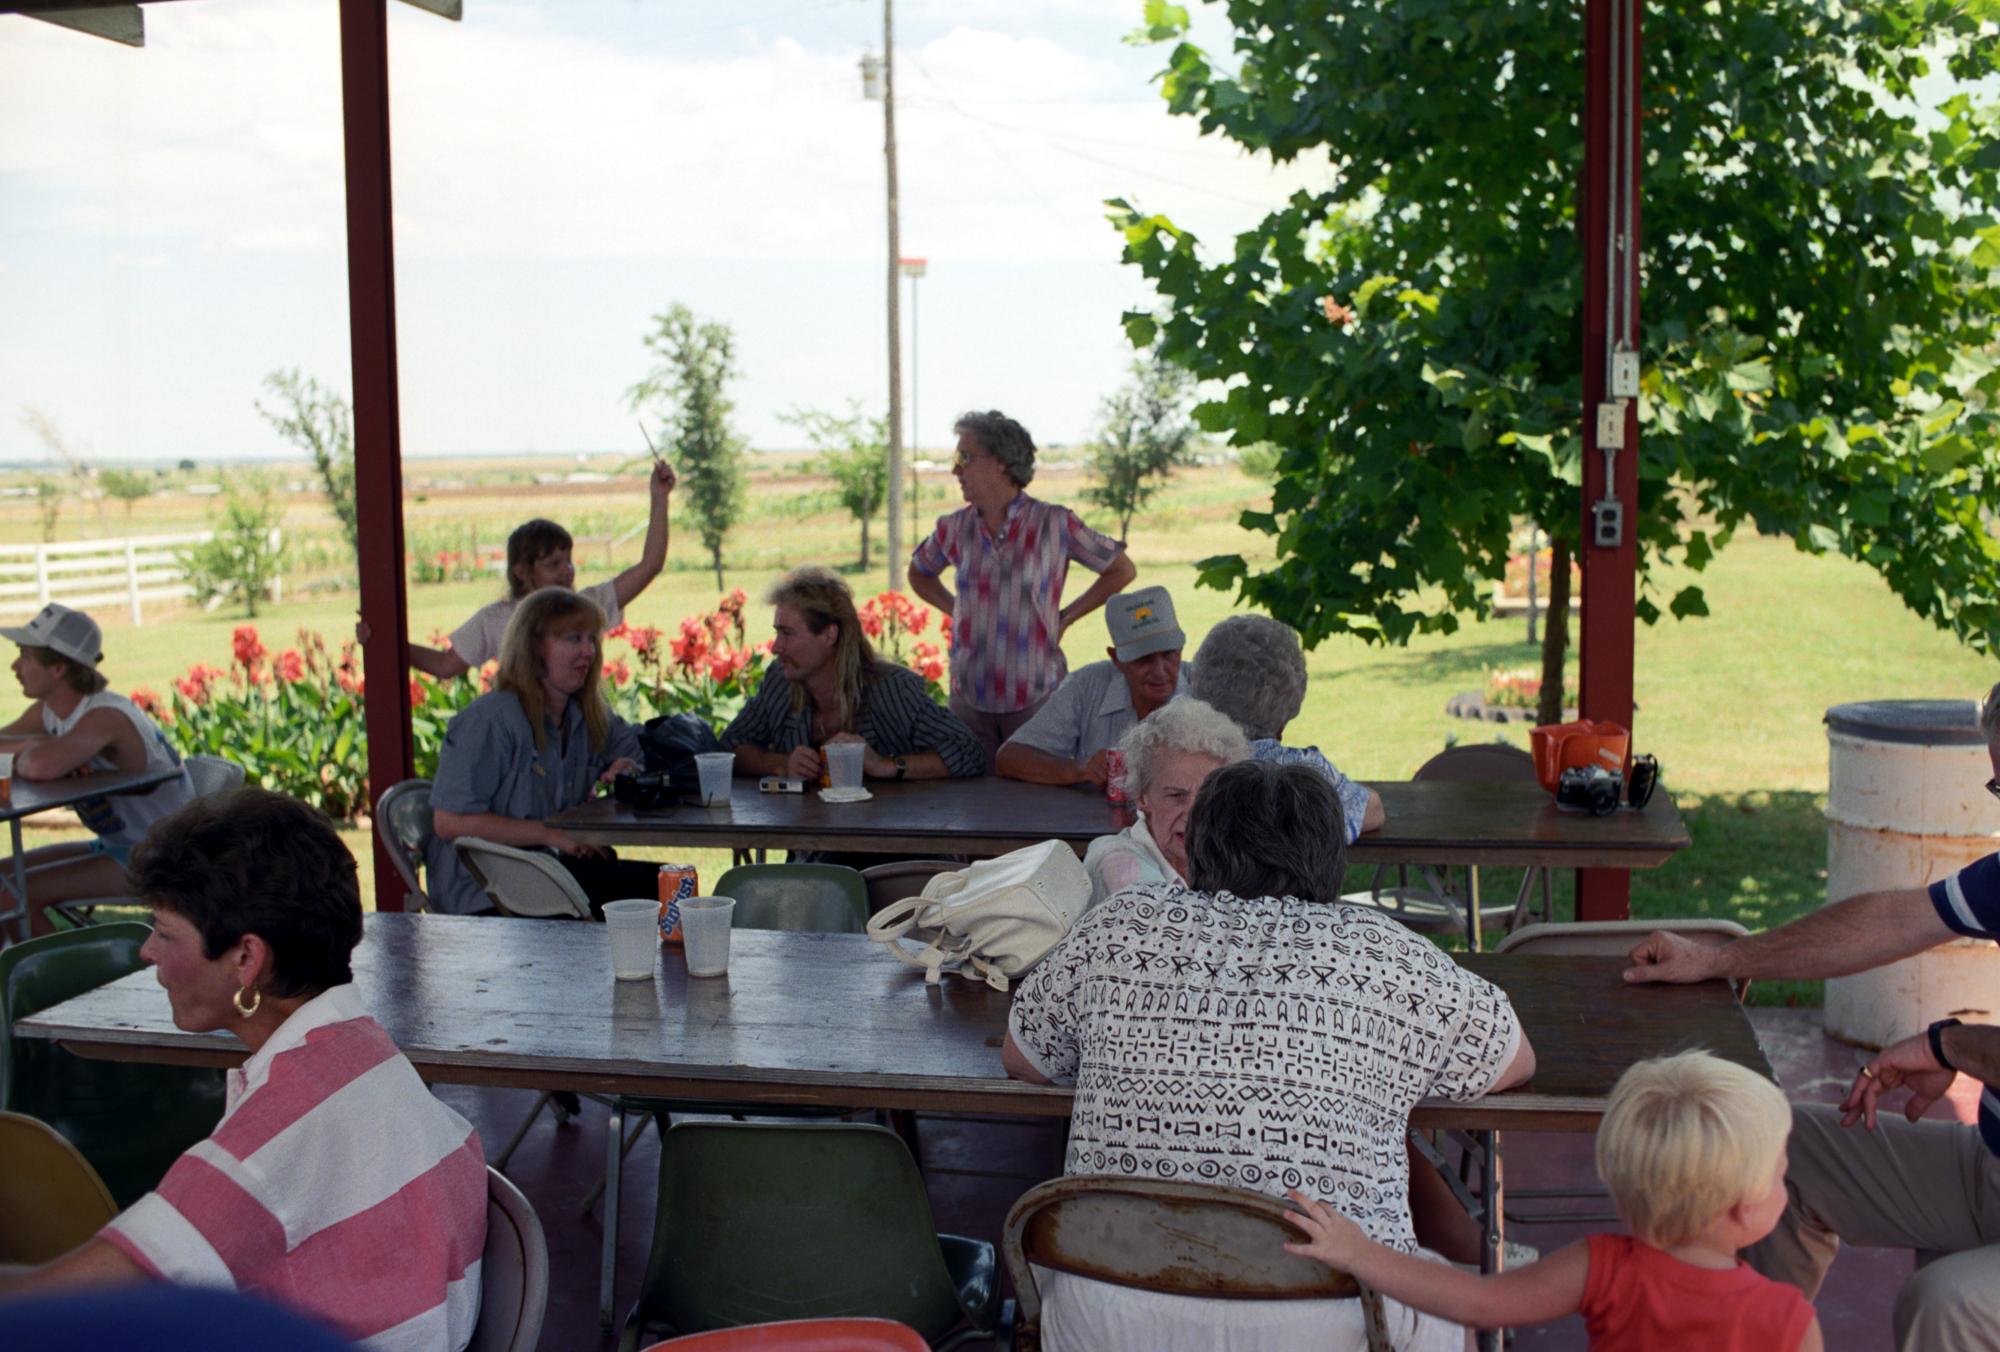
(1731, 704)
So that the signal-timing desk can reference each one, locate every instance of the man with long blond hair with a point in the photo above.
(538, 743)
(827, 685)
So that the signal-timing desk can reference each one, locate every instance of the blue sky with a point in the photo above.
(171, 218)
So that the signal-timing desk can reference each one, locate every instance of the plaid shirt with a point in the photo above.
(1006, 632)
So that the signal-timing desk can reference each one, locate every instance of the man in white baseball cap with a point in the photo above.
(73, 723)
(1069, 739)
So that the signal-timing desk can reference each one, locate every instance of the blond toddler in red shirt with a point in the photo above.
(1692, 1150)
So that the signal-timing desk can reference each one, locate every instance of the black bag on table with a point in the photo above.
(669, 745)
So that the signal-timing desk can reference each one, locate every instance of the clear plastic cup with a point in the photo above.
(632, 929)
(715, 769)
(705, 925)
(843, 764)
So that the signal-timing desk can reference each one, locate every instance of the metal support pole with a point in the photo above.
(895, 523)
(378, 469)
(1609, 220)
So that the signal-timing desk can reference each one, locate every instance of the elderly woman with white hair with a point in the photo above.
(1166, 759)
(1252, 668)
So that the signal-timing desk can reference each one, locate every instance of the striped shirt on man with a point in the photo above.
(1969, 903)
(335, 1184)
(897, 717)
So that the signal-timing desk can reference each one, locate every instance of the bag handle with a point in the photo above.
(899, 919)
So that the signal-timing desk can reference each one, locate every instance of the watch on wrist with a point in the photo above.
(902, 765)
(1937, 1041)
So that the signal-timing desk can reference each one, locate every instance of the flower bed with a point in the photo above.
(295, 720)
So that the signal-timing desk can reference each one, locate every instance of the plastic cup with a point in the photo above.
(633, 930)
(705, 925)
(715, 769)
(843, 764)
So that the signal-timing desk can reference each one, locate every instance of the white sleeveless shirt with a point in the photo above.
(123, 819)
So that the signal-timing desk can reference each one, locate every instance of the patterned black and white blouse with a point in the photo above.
(1262, 1043)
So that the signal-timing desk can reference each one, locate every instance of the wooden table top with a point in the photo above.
(26, 797)
(824, 1019)
(1430, 822)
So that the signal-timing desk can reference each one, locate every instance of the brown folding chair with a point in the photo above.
(1432, 905)
(51, 1200)
(1187, 1239)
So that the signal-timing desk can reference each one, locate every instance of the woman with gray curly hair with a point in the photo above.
(1167, 757)
(1012, 554)
(1253, 669)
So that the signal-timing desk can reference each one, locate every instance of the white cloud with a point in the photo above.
(564, 170)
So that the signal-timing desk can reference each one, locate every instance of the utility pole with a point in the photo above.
(914, 269)
(895, 279)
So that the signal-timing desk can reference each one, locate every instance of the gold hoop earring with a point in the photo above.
(255, 1003)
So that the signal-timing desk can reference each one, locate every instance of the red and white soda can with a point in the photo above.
(1114, 782)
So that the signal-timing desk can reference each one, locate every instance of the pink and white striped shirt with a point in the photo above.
(1006, 626)
(335, 1184)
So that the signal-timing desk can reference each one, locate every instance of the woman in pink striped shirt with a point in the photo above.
(335, 1183)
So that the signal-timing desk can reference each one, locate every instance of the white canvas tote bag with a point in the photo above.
(994, 920)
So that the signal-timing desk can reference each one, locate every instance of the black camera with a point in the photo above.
(646, 790)
(1596, 790)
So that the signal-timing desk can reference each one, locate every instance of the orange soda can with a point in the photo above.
(678, 882)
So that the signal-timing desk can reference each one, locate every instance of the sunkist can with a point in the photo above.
(678, 882)
(1114, 778)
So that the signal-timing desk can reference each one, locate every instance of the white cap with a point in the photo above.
(69, 633)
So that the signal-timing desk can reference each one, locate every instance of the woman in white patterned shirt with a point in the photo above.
(1248, 1030)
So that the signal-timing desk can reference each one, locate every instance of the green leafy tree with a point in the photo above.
(1143, 436)
(1818, 322)
(853, 451)
(318, 421)
(58, 445)
(48, 506)
(241, 560)
(685, 390)
(128, 486)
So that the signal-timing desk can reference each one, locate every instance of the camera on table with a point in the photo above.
(1598, 791)
(646, 790)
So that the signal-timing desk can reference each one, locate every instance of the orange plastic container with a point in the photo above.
(1568, 746)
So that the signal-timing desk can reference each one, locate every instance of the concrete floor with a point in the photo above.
(976, 1168)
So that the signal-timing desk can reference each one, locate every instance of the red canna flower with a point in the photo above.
(249, 652)
(290, 666)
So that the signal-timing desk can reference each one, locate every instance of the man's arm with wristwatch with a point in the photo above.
(916, 765)
(1926, 1065)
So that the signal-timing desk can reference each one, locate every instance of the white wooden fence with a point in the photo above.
(86, 573)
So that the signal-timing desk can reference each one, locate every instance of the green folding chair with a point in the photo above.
(759, 1222)
(131, 1121)
(798, 898)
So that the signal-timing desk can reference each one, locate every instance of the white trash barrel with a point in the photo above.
(1907, 805)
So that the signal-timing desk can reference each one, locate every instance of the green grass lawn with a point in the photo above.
(1731, 704)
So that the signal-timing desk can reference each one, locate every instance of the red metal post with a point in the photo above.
(1609, 217)
(378, 455)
